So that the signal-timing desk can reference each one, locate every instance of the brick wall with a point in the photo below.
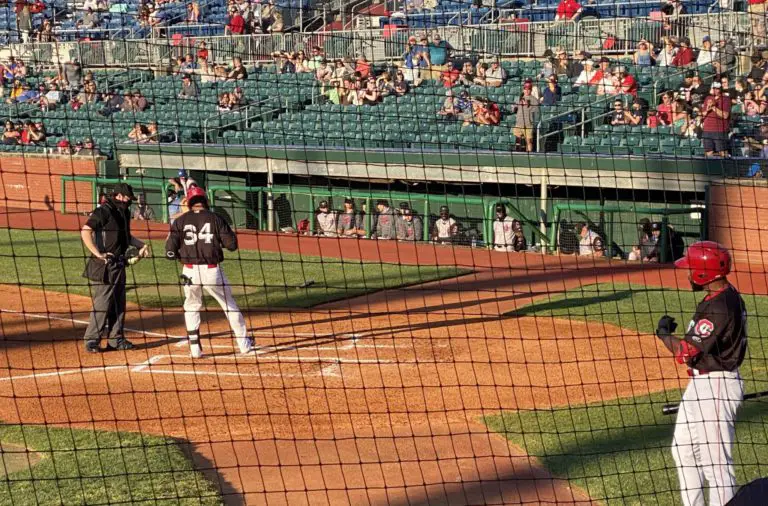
(738, 219)
(34, 181)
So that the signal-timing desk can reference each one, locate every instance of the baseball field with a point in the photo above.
(416, 375)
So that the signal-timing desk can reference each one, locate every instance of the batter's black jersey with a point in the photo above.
(197, 238)
(719, 331)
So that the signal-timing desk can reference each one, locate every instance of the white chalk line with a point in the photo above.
(82, 322)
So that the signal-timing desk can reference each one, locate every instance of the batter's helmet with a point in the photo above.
(707, 261)
(196, 195)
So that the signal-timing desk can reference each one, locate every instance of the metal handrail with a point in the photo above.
(240, 109)
(583, 121)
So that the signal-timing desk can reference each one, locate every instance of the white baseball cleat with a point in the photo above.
(195, 350)
(246, 345)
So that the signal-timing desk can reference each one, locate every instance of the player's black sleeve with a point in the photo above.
(226, 235)
(173, 243)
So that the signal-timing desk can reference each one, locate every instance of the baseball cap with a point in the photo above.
(63, 143)
(690, 74)
(444, 210)
(604, 59)
(323, 204)
(382, 202)
(500, 208)
(349, 201)
(87, 140)
(124, 189)
(656, 226)
(716, 85)
(589, 62)
(407, 211)
(182, 173)
(706, 39)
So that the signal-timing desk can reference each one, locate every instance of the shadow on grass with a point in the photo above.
(569, 302)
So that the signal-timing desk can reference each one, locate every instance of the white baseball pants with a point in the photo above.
(704, 432)
(215, 282)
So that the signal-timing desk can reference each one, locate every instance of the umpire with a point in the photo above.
(107, 235)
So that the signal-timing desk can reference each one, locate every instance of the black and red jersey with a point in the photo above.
(197, 237)
(718, 331)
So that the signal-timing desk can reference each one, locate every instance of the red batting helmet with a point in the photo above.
(196, 195)
(707, 261)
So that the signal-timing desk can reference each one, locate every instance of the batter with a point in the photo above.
(196, 239)
(713, 348)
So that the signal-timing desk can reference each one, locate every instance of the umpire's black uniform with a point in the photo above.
(111, 228)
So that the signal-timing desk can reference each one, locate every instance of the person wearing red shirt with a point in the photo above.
(450, 77)
(202, 51)
(236, 25)
(684, 55)
(567, 10)
(363, 66)
(664, 109)
(602, 71)
(628, 82)
(716, 113)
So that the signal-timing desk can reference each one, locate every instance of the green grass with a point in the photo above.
(93, 467)
(619, 451)
(55, 261)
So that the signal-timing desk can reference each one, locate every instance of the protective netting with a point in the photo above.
(382, 253)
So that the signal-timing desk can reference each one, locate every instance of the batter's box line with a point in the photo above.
(330, 369)
(83, 322)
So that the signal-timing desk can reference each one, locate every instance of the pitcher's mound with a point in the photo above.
(16, 458)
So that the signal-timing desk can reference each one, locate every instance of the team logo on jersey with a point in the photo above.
(704, 328)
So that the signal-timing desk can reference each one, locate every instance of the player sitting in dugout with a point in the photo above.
(325, 220)
(507, 232)
(409, 226)
(446, 228)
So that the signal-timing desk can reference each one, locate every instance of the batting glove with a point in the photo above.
(666, 326)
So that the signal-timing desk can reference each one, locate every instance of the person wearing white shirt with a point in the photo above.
(503, 232)
(667, 53)
(706, 54)
(445, 228)
(590, 244)
(326, 220)
(586, 75)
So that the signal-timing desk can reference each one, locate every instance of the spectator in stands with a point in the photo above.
(496, 76)
(667, 53)
(609, 83)
(464, 107)
(363, 66)
(409, 226)
(440, 51)
(301, 63)
(684, 55)
(324, 73)
(27, 95)
(11, 135)
(45, 32)
(51, 98)
(568, 10)
(401, 85)
(63, 147)
(237, 97)
(89, 20)
(448, 109)
(205, 71)
(188, 65)
(552, 94)
(224, 103)
(576, 64)
(140, 102)
(725, 58)
(759, 66)
(325, 220)
(446, 229)
(757, 16)
(561, 62)
(31, 136)
(23, 19)
(143, 211)
(603, 72)
(335, 92)
(202, 51)
(716, 115)
(89, 95)
(415, 59)
(619, 116)
(384, 221)
(450, 76)
(638, 115)
(317, 59)
(706, 53)
(467, 76)
(697, 92)
(370, 94)
(590, 244)
(586, 75)
(671, 13)
(484, 112)
(238, 70)
(89, 149)
(138, 133)
(664, 109)
(726, 87)
(680, 117)
(235, 23)
(284, 63)
(73, 74)
(527, 117)
(278, 24)
(653, 119)
(643, 56)
(193, 12)
(189, 88)
(627, 82)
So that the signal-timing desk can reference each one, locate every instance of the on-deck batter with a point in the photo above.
(713, 348)
(196, 239)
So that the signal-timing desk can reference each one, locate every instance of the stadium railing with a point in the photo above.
(520, 39)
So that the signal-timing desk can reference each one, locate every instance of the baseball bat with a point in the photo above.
(671, 409)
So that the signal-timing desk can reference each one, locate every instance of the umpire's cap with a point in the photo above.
(125, 190)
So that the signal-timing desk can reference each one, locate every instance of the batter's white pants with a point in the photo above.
(704, 432)
(215, 282)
